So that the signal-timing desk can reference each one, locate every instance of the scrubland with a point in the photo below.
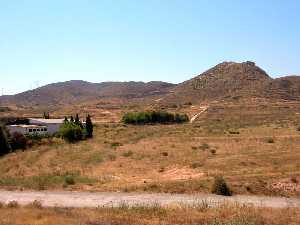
(182, 158)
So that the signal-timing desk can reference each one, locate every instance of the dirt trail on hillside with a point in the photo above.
(102, 199)
(202, 110)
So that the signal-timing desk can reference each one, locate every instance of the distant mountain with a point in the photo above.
(75, 91)
(225, 81)
(230, 80)
(287, 88)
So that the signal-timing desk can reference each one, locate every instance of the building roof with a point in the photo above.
(26, 126)
(46, 121)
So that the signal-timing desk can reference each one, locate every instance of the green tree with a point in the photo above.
(4, 144)
(89, 126)
(66, 120)
(77, 121)
(46, 115)
(71, 132)
(71, 119)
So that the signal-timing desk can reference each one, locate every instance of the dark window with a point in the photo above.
(30, 130)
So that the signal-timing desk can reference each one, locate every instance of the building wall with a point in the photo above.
(13, 129)
(53, 127)
(26, 130)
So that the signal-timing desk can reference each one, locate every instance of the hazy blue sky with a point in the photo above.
(142, 40)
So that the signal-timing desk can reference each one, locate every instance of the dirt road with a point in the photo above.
(89, 199)
(202, 110)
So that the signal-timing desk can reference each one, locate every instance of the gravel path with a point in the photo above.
(101, 199)
(202, 110)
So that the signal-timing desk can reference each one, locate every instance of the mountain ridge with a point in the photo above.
(225, 81)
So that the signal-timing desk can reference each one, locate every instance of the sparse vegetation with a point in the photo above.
(69, 180)
(200, 214)
(13, 204)
(220, 187)
(46, 115)
(233, 131)
(4, 141)
(127, 153)
(4, 109)
(204, 146)
(154, 117)
(270, 140)
(18, 141)
(89, 127)
(46, 164)
(71, 132)
(115, 144)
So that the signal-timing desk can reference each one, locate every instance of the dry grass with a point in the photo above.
(227, 140)
(138, 215)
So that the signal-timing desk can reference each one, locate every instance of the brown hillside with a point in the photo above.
(287, 88)
(227, 80)
(80, 91)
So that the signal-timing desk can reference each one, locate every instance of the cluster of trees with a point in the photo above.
(10, 143)
(46, 115)
(154, 117)
(73, 130)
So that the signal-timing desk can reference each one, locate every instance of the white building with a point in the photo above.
(28, 129)
(52, 125)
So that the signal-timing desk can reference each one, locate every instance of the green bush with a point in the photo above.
(154, 117)
(220, 187)
(127, 153)
(71, 132)
(69, 180)
(4, 109)
(204, 146)
(115, 144)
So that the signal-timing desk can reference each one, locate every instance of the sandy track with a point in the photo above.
(102, 199)
(202, 110)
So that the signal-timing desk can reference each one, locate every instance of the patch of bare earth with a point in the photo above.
(184, 173)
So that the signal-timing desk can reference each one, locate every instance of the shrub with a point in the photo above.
(4, 142)
(232, 131)
(13, 204)
(270, 140)
(220, 187)
(71, 132)
(196, 165)
(154, 117)
(69, 180)
(213, 151)
(298, 129)
(18, 141)
(4, 109)
(115, 144)
(127, 153)
(165, 153)
(35, 204)
(204, 146)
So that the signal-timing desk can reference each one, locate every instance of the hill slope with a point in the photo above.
(226, 81)
(80, 91)
(230, 80)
